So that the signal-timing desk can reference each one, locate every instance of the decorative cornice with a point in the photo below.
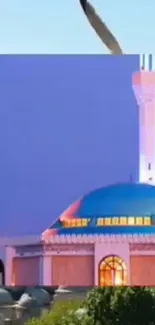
(92, 239)
(142, 247)
(68, 247)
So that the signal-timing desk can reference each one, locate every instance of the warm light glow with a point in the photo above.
(115, 221)
(48, 233)
(107, 221)
(139, 221)
(13, 275)
(131, 221)
(76, 222)
(118, 281)
(112, 272)
(124, 221)
(147, 221)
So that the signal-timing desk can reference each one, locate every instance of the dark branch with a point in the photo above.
(83, 4)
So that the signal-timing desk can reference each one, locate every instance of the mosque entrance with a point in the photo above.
(2, 273)
(112, 271)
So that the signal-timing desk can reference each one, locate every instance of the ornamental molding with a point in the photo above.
(142, 247)
(93, 239)
(69, 248)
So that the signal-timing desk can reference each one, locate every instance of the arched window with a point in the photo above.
(112, 271)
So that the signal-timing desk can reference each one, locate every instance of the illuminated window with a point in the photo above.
(74, 223)
(112, 272)
(131, 221)
(100, 222)
(68, 223)
(84, 222)
(65, 223)
(139, 221)
(107, 221)
(78, 222)
(115, 221)
(123, 221)
(147, 221)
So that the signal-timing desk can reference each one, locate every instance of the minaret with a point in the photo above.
(143, 82)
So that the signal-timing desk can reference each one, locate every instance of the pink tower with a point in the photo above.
(143, 82)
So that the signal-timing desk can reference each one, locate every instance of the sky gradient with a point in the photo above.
(68, 125)
(60, 26)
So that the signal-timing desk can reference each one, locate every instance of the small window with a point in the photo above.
(100, 222)
(78, 222)
(115, 221)
(67, 223)
(74, 223)
(107, 221)
(131, 221)
(84, 222)
(147, 221)
(123, 221)
(139, 221)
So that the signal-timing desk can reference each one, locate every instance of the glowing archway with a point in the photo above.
(112, 271)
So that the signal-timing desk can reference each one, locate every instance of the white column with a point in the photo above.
(147, 142)
(46, 262)
(9, 255)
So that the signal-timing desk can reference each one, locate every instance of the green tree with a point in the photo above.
(134, 305)
(98, 305)
(121, 306)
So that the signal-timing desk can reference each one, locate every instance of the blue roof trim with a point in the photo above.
(92, 222)
(108, 230)
(57, 224)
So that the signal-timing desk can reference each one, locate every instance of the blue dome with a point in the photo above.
(135, 203)
(119, 199)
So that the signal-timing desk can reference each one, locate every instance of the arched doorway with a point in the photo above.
(112, 271)
(2, 273)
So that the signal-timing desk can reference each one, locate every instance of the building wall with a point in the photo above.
(77, 265)
(26, 271)
(73, 270)
(142, 270)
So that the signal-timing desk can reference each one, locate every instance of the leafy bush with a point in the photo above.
(62, 313)
(121, 306)
(134, 305)
(105, 306)
(98, 305)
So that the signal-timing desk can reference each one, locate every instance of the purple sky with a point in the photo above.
(68, 124)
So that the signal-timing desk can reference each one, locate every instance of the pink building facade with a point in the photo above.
(81, 261)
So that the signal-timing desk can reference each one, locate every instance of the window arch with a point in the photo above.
(112, 271)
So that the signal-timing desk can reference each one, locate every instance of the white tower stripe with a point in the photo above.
(147, 61)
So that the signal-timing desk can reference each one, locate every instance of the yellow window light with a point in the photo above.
(107, 221)
(139, 221)
(115, 221)
(131, 221)
(147, 221)
(123, 221)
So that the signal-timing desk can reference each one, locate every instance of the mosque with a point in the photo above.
(108, 236)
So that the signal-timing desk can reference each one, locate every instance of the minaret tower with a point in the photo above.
(143, 82)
